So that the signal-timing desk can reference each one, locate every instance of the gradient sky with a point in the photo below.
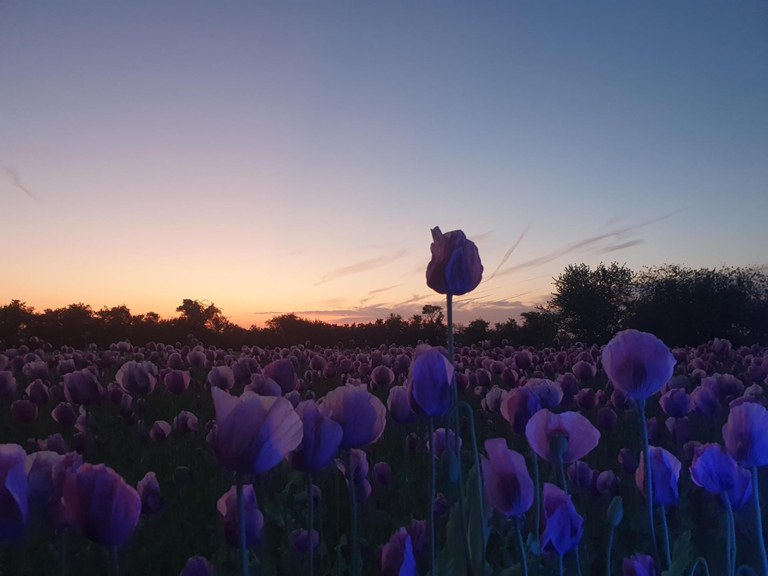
(278, 157)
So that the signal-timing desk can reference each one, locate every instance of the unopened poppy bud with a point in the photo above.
(615, 512)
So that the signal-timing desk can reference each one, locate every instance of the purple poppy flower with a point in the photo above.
(186, 422)
(149, 492)
(675, 403)
(637, 363)
(38, 392)
(562, 526)
(14, 491)
(584, 370)
(100, 504)
(24, 411)
(197, 566)
(638, 565)
(746, 434)
(550, 394)
(8, 384)
(455, 267)
(443, 439)
(82, 387)
(399, 406)
(160, 431)
(220, 377)
(568, 436)
(714, 470)
(382, 474)
(254, 519)
(358, 474)
(320, 440)
(300, 540)
(65, 414)
(429, 381)
(419, 535)
(666, 475)
(508, 486)
(254, 433)
(518, 406)
(39, 472)
(397, 555)
(382, 377)
(137, 378)
(176, 381)
(362, 415)
(282, 372)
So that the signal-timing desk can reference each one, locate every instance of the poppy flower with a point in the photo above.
(220, 377)
(382, 376)
(397, 555)
(282, 372)
(562, 525)
(82, 387)
(637, 363)
(13, 491)
(320, 440)
(100, 504)
(197, 566)
(746, 434)
(149, 492)
(517, 407)
(8, 383)
(429, 381)
(443, 439)
(455, 267)
(638, 565)
(253, 433)
(399, 407)
(714, 470)
(176, 381)
(666, 475)
(137, 378)
(361, 415)
(254, 519)
(568, 436)
(508, 486)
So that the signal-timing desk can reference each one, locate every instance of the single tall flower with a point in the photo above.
(637, 363)
(320, 441)
(455, 267)
(429, 381)
(714, 470)
(254, 433)
(254, 519)
(565, 437)
(508, 486)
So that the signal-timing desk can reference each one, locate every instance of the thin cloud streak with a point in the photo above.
(363, 266)
(586, 243)
(622, 246)
(16, 181)
(509, 252)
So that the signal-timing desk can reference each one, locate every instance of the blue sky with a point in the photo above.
(279, 157)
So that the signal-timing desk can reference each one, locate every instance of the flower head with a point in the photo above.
(455, 267)
(254, 519)
(568, 436)
(320, 440)
(666, 475)
(746, 434)
(429, 382)
(637, 363)
(508, 486)
(362, 415)
(13, 491)
(562, 525)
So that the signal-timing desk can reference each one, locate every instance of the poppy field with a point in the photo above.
(629, 458)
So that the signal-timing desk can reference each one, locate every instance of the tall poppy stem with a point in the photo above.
(310, 522)
(759, 521)
(731, 536)
(519, 532)
(432, 489)
(241, 526)
(649, 478)
(355, 561)
(608, 552)
(475, 454)
(665, 532)
(455, 418)
(538, 499)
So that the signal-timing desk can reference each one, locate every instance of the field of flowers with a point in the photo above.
(169, 459)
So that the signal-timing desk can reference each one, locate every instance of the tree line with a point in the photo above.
(682, 306)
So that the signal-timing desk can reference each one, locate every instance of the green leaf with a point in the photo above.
(682, 555)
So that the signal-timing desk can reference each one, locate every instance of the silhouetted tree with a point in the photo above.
(592, 305)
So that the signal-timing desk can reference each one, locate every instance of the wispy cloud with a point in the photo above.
(13, 177)
(622, 246)
(362, 266)
(509, 252)
(373, 293)
(617, 233)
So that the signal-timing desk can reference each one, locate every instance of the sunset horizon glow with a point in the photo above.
(276, 159)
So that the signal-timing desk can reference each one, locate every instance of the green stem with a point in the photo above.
(241, 525)
(759, 521)
(608, 553)
(310, 523)
(355, 561)
(538, 499)
(432, 490)
(519, 532)
(560, 564)
(665, 532)
(731, 536)
(648, 479)
(699, 562)
(475, 455)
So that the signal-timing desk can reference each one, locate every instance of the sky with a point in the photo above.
(277, 157)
